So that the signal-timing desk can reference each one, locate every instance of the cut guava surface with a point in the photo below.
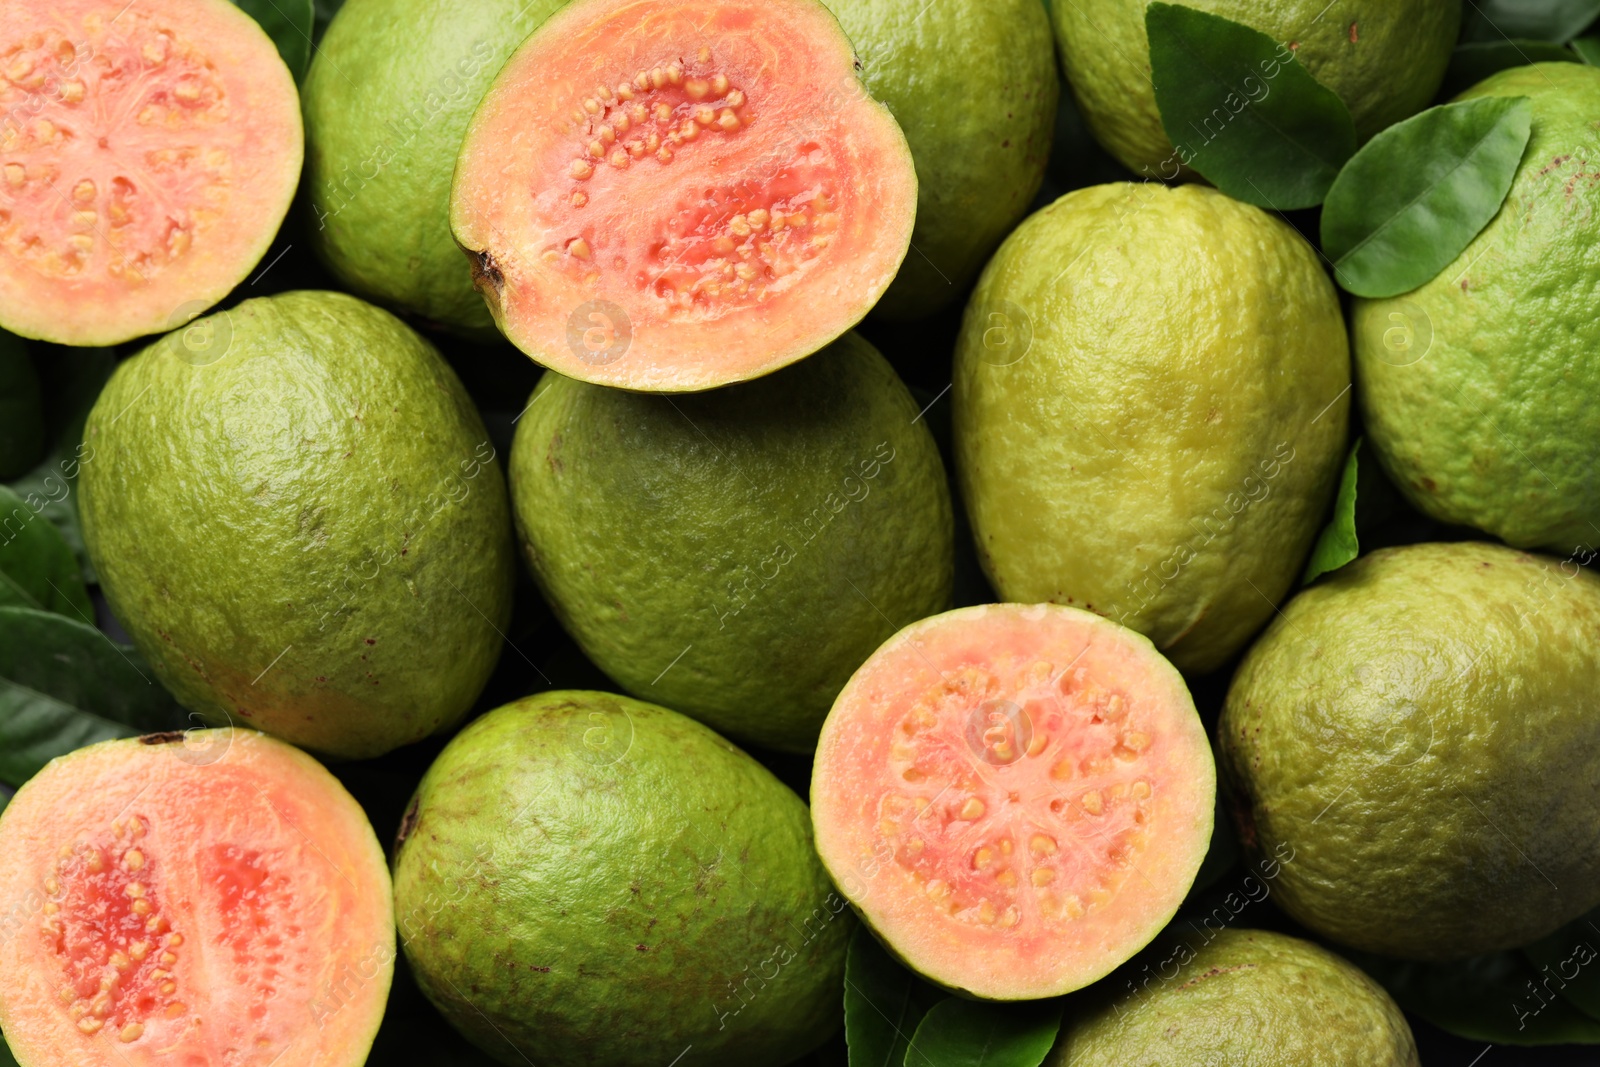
(211, 897)
(148, 153)
(1015, 797)
(670, 196)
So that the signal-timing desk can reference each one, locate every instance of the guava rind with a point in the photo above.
(296, 513)
(1419, 725)
(735, 555)
(974, 88)
(1237, 996)
(387, 101)
(647, 891)
(1479, 386)
(1150, 405)
(1391, 69)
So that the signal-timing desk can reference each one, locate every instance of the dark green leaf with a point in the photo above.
(1416, 195)
(1242, 111)
(1537, 20)
(1588, 49)
(64, 685)
(1495, 998)
(1568, 962)
(21, 408)
(37, 567)
(1472, 63)
(80, 375)
(883, 1003)
(5, 798)
(958, 1032)
(6, 1059)
(290, 24)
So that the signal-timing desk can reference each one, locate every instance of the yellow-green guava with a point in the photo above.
(1422, 728)
(1481, 388)
(297, 514)
(735, 555)
(585, 879)
(1150, 408)
(387, 100)
(974, 87)
(1206, 998)
(1384, 60)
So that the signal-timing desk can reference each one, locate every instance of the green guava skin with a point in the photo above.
(387, 101)
(1243, 997)
(1150, 407)
(585, 879)
(974, 87)
(1421, 729)
(1480, 386)
(736, 555)
(304, 530)
(1390, 71)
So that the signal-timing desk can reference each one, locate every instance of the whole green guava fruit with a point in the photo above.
(1150, 411)
(1385, 61)
(974, 87)
(1479, 387)
(585, 879)
(1422, 727)
(1205, 998)
(387, 101)
(297, 515)
(735, 555)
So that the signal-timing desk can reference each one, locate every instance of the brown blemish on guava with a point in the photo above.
(165, 737)
(408, 823)
(486, 274)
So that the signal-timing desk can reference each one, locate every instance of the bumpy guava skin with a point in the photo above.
(1480, 386)
(644, 892)
(974, 87)
(387, 100)
(1420, 728)
(1150, 403)
(1237, 997)
(296, 512)
(735, 555)
(1384, 60)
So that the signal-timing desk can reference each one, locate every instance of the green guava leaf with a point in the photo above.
(63, 685)
(1416, 195)
(958, 1032)
(1557, 21)
(21, 408)
(1338, 543)
(290, 24)
(1242, 111)
(78, 375)
(1568, 961)
(1588, 49)
(1495, 998)
(37, 567)
(1475, 61)
(883, 1003)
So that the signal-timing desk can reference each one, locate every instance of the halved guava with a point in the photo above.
(209, 897)
(672, 196)
(1015, 797)
(148, 153)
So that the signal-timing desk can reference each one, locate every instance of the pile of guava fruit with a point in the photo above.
(846, 533)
